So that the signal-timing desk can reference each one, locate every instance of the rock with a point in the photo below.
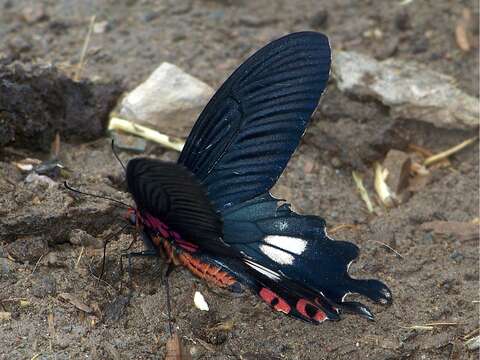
(29, 248)
(410, 90)
(170, 100)
(36, 101)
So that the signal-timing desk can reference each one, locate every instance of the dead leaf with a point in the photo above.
(398, 164)
(462, 33)
(462, 230)
(72, 299)
(175, 349)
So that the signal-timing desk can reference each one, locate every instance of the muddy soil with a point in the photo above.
(51, 240)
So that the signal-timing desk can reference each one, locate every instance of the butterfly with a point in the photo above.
(212, 212)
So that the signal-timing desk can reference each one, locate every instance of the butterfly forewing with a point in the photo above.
(246, 134)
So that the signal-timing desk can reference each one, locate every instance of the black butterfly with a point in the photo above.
(212, 212)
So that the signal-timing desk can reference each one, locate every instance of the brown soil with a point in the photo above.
(434, 280)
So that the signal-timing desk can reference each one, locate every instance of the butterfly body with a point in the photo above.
(212, 211)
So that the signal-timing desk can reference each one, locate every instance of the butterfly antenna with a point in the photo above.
(116, 156)
(95, 195)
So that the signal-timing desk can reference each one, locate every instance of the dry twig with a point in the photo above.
(83, 54)
(445, 154)
(118, 124)
(363, 192)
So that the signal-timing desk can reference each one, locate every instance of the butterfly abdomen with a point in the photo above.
(202, 269)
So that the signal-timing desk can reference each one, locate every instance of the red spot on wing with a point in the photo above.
(301, 308)
(276, 301)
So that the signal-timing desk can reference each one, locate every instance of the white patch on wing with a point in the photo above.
(263, 270)
(277, 255)
(291, 244)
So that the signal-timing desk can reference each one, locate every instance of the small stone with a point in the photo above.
(319, 19)
(34, 13)
(128, 142)
(101, 27)
(410, 90)
(40, 179)
(169, 101)
(4, 266)
(28, 249)
(51, 259)
(457, 256)
(44, 286)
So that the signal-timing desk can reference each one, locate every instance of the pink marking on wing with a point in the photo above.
(156, 224)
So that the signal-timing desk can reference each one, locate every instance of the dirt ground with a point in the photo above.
(435, 280)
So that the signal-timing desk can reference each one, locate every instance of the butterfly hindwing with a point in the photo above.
(296, 259)
(246, 134)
